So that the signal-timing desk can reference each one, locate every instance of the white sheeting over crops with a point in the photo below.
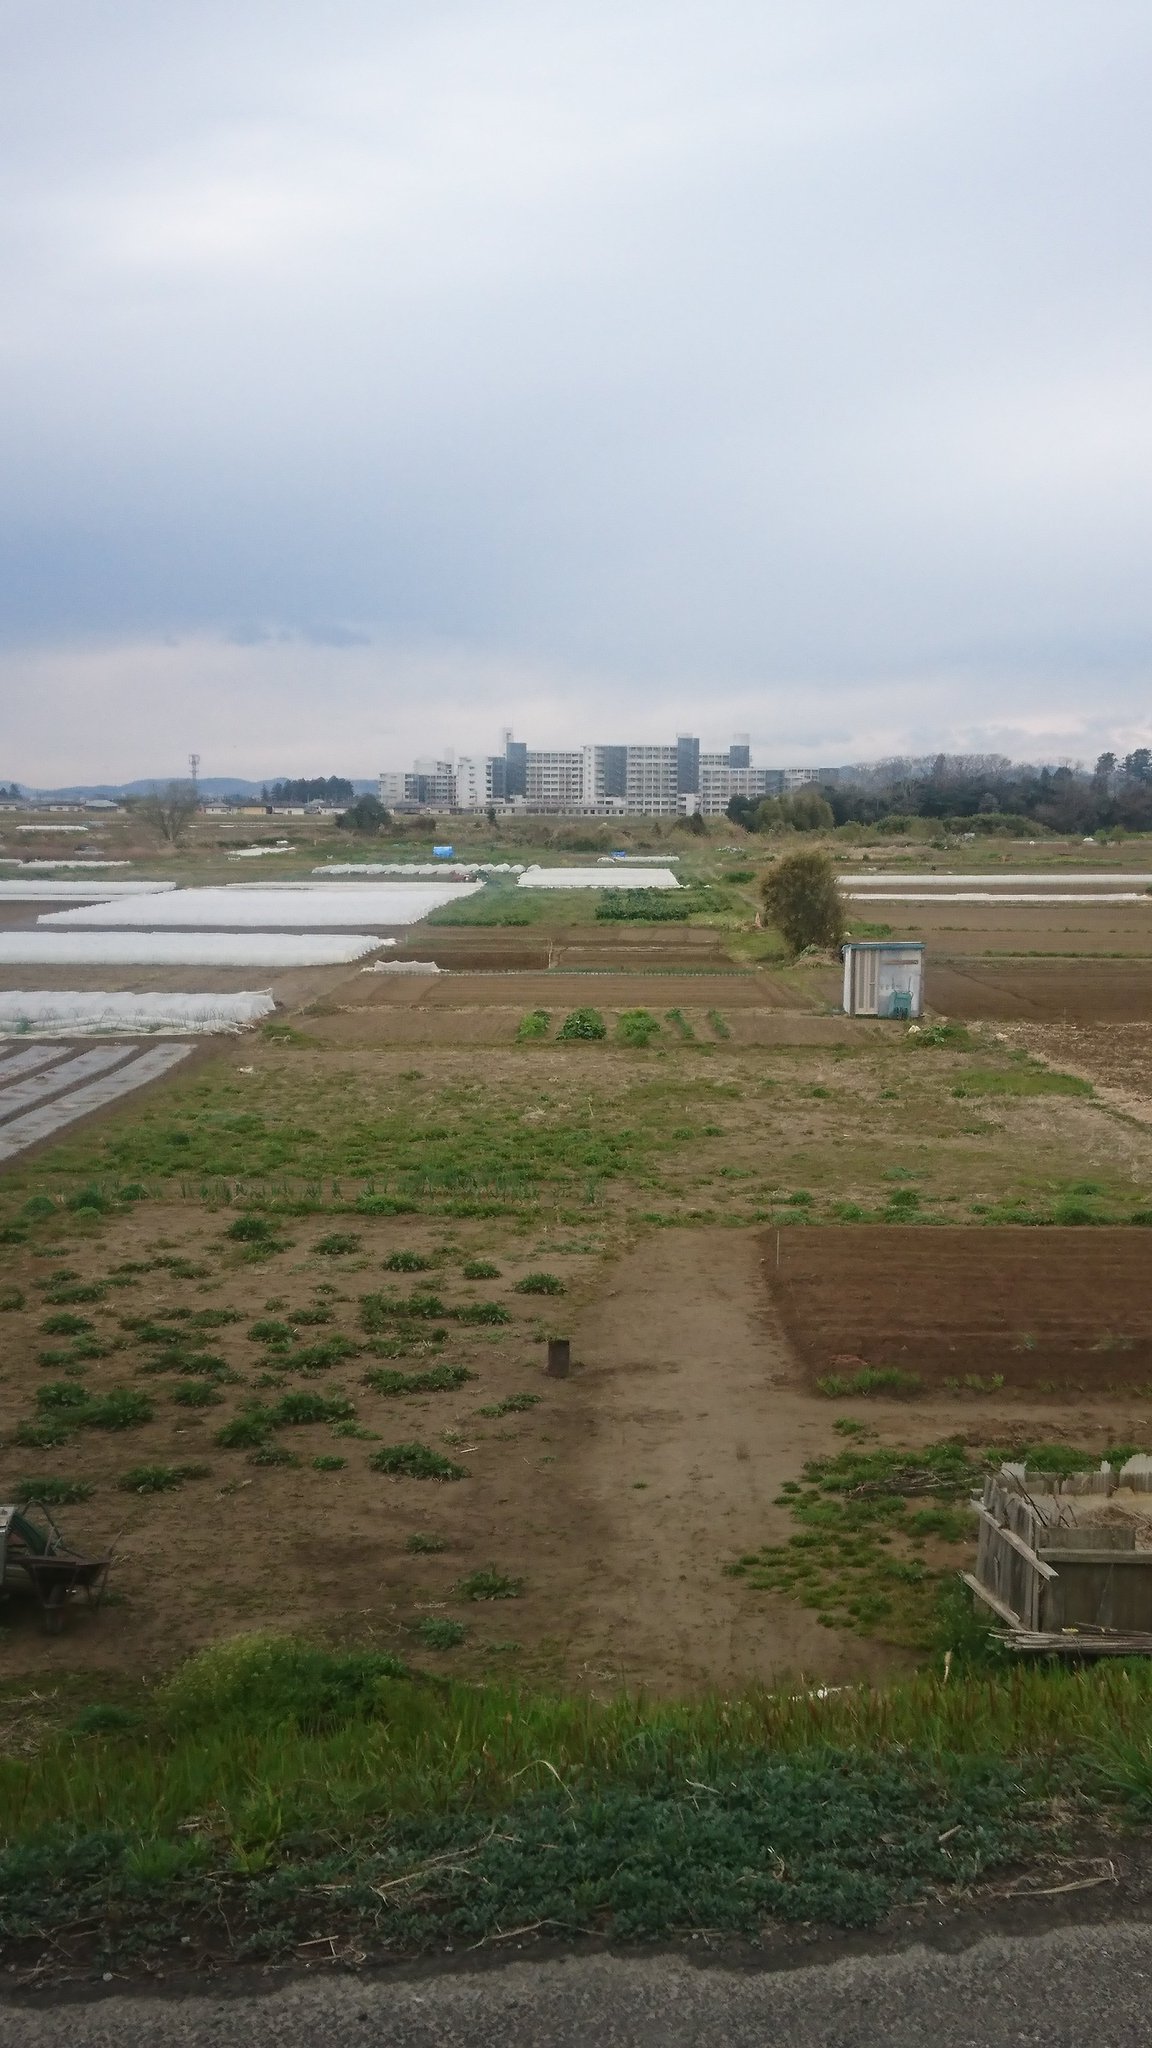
(77, 892)
(238, 907)
(997, 896)
(11, 860)
(1057, 878)
(595, 878)
(70, 1012)
(447, 868)
(42, 948)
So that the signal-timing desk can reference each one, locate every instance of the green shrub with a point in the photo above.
(338, 1243)
(47, 1433)
(582, 1024)
(62, 1394)
(803, 901)
(252, 1230)
(537, 1024)
(311, 1317)
(328, 1463)
(881, 1379)
(160, 1478)
(55, 1493)
(119, 1408)
(480, 1312)
(319, 1357)
(104, 1717)
(540, 1283)
(10, 1298)
(415, 1461)
(439, 1379)
(436, 1632)
(269, 1331)
(480, 1269)
(925, 1037)
(378, 1310)
(37, 1207)
(244, 1431)
(92, 1199)
(488, 1585)
(274, 1681)
(197, 1394)
(408, 1262)
(637, 1028)
(62, 1294)
(306, 1407)
(65, 1325)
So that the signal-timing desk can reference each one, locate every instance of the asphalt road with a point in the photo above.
(1088, 1986)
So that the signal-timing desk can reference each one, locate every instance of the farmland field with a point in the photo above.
(276, 1332)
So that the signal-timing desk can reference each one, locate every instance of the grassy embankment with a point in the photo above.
(271, 1794)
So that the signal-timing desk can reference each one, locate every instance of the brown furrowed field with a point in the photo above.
(1053, 1310)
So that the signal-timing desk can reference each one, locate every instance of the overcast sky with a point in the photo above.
(375, 375)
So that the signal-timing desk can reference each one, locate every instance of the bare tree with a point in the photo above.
(169, 811)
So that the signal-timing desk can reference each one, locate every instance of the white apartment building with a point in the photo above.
(651, 788)
(560, 781)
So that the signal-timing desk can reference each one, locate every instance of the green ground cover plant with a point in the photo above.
(1021, 1081)
(540, 1283)
(863, 1520)
(408, 1262)
(439, 1379)
(512, 1404)
(480, 1269)
(54, 1491)
(718, 1024)
(160, 1478)
(534, 1026)
(637, 1028)
(437, 1632)
(488, 1584)
(680, 1025)
(582, 1024)
(869, 1379)
(415, 1461)
(423, 1544)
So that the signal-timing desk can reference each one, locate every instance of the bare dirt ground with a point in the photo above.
(1069, 929)
(1048, 1309)
(619, 1496)
(1105, 991)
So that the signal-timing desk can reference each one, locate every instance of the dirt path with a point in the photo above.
(694, 1418)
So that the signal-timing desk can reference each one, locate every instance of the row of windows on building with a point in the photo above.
(594, 781)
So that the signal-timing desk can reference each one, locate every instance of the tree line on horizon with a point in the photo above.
(980, 793)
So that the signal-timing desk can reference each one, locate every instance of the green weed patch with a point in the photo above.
(415, 1461)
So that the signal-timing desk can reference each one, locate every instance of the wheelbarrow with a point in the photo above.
(34, 1558)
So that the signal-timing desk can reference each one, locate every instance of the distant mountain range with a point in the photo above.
(210, 785)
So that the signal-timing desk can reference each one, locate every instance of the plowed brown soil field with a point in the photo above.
(1054, 1310)
(1086, 991)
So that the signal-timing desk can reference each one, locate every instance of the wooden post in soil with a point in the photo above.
(559, 1357)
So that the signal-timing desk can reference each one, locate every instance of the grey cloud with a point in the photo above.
(665, 354)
